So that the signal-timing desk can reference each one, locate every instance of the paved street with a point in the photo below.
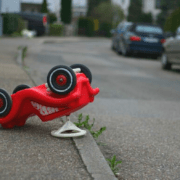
(138, 103)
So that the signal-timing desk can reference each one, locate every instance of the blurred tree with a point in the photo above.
(94, 3)
(66, 11)
(167, 8)
(118, 15)
(52, 18)
(108, 15)
(136, 14)
(44, 8)
(135, 11)
(103, 12)
(146, 17)
(173, 21)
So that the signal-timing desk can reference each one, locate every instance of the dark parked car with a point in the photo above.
(171, 54)
(36, 21)
(142, 38)
(117, 33)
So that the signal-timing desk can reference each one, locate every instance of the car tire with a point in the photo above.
(155, 57)
(20, 87)
(112, 47)
(61, 79)
(124, 50)
(119, 51)
(84, 70)
(164, 62)
(5, 103)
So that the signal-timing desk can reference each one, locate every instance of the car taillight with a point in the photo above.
(44, 20)
(135, 38)
(163, 41)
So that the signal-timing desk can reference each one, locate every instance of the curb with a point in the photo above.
(19, 57)
(93, 159)
(88, 149)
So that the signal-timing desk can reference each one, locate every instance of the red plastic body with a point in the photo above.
(46, 104)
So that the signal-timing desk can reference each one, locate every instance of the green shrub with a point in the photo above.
(86, 26)
(55, 30)
(52, 18)
(90, 27)
(173, 21)
(104, 29)
(21, 25)
(146, 18)
(12, 23)
(16, 34)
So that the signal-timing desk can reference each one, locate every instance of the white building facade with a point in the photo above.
(151, 6)
(124, 4)
(147, 6)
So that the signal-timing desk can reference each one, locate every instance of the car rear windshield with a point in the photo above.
(149, 29)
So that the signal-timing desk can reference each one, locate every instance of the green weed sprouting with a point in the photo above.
(85, 124)
(113, 164)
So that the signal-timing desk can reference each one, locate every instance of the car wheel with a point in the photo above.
(119, 51)
(155, 56)
(124, 50)
(112, 47)
(5, 103)
(61, 79)
(84, 70)
(164, 62)
(20, 87)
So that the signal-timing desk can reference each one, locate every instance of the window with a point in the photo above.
(149, 29)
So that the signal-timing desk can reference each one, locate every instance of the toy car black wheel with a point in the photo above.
(20, 87)
(84, 70)
(61, 79)
(5, 103)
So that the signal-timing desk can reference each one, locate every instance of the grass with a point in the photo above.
(24, 51)
(113, 164)
(85, 124)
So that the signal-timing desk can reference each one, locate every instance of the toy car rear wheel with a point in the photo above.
(84, 70)
(20, 87)
(61, 79)
(5, 103)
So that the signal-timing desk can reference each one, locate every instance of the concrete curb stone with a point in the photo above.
(93, 158)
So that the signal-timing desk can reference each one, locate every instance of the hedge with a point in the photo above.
(12, 23)
(55, 30)
(85, 26)
(105, 29)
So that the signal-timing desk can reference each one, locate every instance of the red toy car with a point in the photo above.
(66, 91)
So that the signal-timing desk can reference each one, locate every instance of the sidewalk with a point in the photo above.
(31, 152)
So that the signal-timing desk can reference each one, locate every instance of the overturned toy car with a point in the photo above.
(67, 90)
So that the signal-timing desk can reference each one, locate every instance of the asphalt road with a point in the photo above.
(138, 103)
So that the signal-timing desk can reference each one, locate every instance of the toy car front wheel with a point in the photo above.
(5, 103)
(20, 87)
(61, 79)
(84, 70)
